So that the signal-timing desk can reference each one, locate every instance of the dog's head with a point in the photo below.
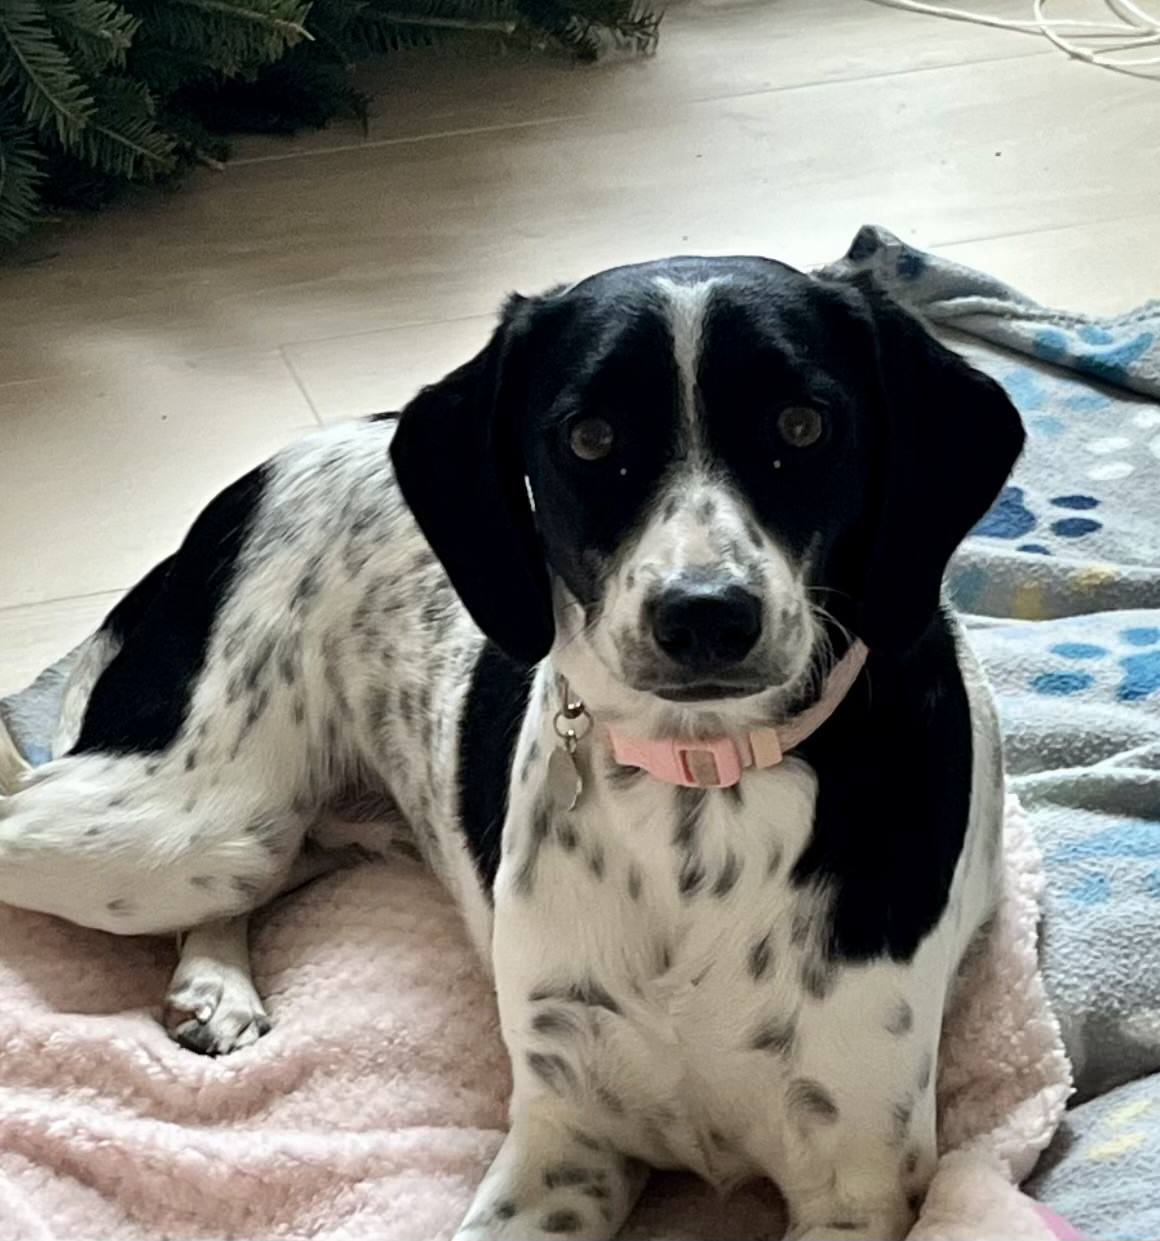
(688, 476)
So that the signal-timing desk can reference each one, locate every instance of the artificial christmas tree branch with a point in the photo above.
(99, 94)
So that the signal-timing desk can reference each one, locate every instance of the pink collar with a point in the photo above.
(719, 762)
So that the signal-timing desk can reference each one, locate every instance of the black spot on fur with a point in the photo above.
(540, 830)
(505, 1209)
(901, 1019)
(730, 873)
(122, 905)
(811, 1101)
(910, 1163)
(774, 1036)
(256, 664)
(533, 753)
(122, 799)
(752, 531)
(248, 887)
(925, 1069)
(706, 509)
(202, 881)
(554, 1071)
(635, 882)
(691, 877)
(818, 977)
(760, 955)
(670, 509)
(587, 991)
(566, 835)
(775, 855)
(93, 831)
(191, 761)
(610, 1100)
(847, 1225)
(555, 1023)
(562, 1222)
(901, 1114)
(601, 1193)
(596, 861)
(567, 1174)
(299, 711)
(914, 1202)
(308, 585)
(621, 777)
(288, 660)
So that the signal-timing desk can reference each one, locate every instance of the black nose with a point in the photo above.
(702, 625)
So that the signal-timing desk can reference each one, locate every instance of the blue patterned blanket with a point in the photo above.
(1060, 584)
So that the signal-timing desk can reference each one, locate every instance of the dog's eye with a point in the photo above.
(591, 438)
(800, 426)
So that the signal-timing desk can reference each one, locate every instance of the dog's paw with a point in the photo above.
(214, 1013)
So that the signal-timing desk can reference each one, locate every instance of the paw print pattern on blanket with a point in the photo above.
(1139, 666)
(1010, 518)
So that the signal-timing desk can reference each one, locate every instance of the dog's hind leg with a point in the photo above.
(142, 844)
(213, 1006)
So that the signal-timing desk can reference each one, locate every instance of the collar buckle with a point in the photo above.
(713, 764)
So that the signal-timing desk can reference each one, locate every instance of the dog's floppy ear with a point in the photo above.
(457, 457)
(951, 439)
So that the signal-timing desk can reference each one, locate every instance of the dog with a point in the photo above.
(636, 621)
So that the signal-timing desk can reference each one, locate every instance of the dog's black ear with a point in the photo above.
(457, 457)
(951, 439)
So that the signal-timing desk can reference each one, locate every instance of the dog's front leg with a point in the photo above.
(859, 1106)
(551, 1179)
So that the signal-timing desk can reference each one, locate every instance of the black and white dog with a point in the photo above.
(635, 618)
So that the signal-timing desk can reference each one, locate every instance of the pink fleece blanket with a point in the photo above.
(374, 1106)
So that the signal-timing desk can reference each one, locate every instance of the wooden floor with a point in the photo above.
(152, 353)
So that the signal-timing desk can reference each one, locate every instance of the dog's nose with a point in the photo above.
(703, 624)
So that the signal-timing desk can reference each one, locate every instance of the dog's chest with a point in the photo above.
(652, 957)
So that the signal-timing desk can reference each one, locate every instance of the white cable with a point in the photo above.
(1132, 26)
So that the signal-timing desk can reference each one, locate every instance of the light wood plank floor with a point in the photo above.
(152, 353)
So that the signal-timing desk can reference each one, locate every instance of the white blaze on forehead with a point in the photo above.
(685, 305)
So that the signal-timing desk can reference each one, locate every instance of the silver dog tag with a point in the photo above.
(564, 781)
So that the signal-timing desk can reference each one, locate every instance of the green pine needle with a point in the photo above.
(96, 33)
(20, 175)
(53, 96)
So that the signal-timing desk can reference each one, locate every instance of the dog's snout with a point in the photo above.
(706, 624)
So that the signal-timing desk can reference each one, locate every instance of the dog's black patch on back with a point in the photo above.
(894, 789)
(139, 702)
(129, 612)
(492, 714)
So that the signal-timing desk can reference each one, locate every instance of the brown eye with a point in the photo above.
(800, 426)
(591, 438)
